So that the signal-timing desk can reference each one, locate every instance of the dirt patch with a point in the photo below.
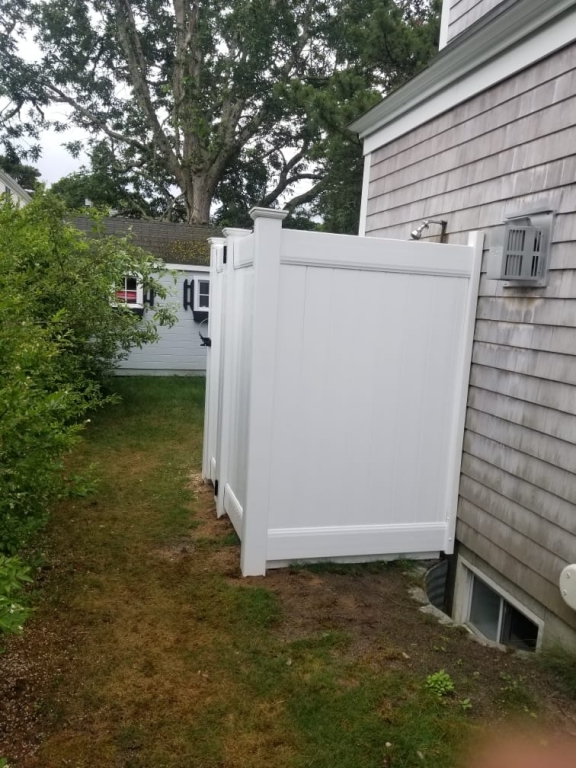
(29, 667)
(387, 631)
(178, 550)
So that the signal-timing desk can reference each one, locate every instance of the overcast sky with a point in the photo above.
(56, 161)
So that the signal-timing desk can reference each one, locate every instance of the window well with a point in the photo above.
(496, 619)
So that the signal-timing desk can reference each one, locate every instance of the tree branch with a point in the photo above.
(306, 197)
(130, 41)
(94, 119)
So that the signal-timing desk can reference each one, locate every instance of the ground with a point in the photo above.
(147, 648)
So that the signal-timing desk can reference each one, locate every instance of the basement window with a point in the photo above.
(496, 619)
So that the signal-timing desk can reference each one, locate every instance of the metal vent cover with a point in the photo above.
(520, 250)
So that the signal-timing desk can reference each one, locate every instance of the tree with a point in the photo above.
(22, 95)
(128, 192)
(187, 93)
(26, 175)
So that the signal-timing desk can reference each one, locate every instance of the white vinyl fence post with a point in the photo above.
(214, 332)
(267, 243)
(232, 235)
(475, 242)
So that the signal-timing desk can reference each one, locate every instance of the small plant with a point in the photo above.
(440, 683)
(82, 485)
(13, 612)
(4, 763)
(465, 704)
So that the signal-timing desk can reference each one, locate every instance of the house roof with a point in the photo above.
(6, 179)
(174, 243)
(499, 30)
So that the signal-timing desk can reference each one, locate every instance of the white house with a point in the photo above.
(186, 252)
(11, 188)
(485, 139)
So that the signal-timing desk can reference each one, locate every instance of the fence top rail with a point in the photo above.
(316, 249)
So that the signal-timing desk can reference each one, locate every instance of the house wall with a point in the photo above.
(512, 145)
(179, 350)
(463, 13)
(9, 186)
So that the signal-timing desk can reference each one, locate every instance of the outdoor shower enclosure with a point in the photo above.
(336, 391)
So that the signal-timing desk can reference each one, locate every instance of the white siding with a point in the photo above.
(179, 349)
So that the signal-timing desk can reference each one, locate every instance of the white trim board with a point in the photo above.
(233, 509)
(511, 43)
(185, 268)
(444, 24)
(354, 540)
(364, 199)
(360, 559)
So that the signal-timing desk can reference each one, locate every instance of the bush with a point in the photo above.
(60, 336)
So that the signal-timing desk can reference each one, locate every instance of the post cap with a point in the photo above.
(267, 213)
(217, 240)
(235, 232)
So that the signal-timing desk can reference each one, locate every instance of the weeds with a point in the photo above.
(562, 664)
(13, 608)
(440, 683)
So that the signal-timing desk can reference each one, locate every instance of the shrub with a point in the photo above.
(60, 336)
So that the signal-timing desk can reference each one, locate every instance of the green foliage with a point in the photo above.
(13, 609)
(237, 103)
(107, 185)
(440, 683)
(60, 336)
(21, 92)
(26, 175)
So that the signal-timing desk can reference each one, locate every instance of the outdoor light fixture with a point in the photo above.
(416, 234)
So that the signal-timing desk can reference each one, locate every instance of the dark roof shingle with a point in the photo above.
(174, 243)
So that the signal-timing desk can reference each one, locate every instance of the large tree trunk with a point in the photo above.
(198, 197)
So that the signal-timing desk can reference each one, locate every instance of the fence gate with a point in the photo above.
(337, 384)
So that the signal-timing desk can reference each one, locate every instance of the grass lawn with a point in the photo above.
(147, 649)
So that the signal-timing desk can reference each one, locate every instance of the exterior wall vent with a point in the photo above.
(520, 250)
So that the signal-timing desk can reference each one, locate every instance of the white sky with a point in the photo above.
(56, 161)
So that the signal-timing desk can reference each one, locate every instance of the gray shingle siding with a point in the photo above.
(510, 146)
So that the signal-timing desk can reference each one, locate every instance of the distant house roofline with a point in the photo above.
(173, 243)
(510, 29)
(7, 180)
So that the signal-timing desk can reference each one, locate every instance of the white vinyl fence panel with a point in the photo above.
(343, 374)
